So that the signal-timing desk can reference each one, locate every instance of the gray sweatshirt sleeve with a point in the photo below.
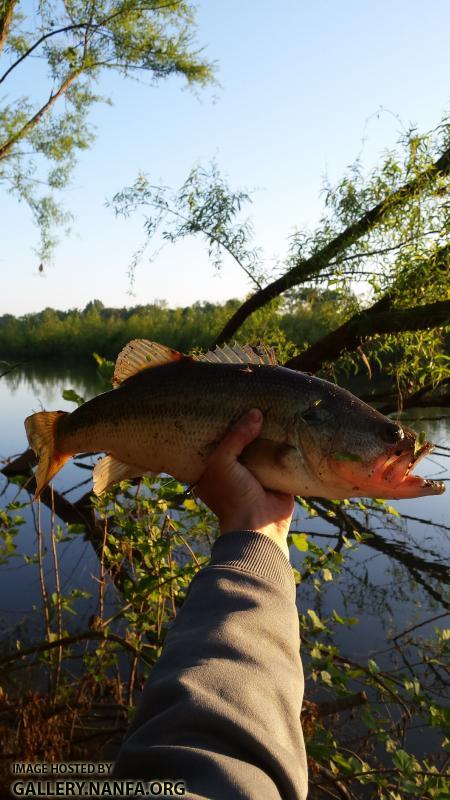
(221, 709)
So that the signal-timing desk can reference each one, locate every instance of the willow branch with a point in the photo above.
(209, 234)
(349, 336)
(304, 269)
(38, 42)
(6, 17)
(33, 121)
(65, 29)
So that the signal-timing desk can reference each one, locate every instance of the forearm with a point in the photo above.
(221, 709)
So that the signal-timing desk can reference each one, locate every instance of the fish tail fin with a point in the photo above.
(41, 429)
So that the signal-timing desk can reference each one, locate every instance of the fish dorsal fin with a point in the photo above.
(240, 354)
(140, 354)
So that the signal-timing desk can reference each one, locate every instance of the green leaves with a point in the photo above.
(316, 622)
(76, 528)
(373, 667)
(300, 541)
(72, 396)
(10, 524)
(344, 620)
(205, 206)
(190, 504)
(105, 369)
(77, 42)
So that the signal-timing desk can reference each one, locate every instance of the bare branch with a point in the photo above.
(336, 706)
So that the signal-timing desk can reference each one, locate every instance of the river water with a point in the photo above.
(377, 587)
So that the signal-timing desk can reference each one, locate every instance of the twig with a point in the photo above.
(189, 548)
(77, 486)
(74, 639)
(420, 625)
(132, 680)
(42, 581)
(101, 588)
(414, 519)
(58, 596)
(344, 792)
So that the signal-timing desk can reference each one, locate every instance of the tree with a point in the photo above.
(383, 245)
(68, 46)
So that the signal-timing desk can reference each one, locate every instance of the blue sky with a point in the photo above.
(300, 87)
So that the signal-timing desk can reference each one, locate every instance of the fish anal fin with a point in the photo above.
(110, 470)
(41, 430)
(240, 354)
(141, 354)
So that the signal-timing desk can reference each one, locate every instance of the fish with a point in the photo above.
(168, 411)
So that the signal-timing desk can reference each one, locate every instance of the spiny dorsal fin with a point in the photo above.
(140, 354)
(240, 354)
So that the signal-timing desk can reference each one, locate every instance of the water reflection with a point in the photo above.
(42, 379)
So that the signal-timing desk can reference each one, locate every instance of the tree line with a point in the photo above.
(76, 333)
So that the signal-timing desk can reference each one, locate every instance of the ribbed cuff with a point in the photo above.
(253, 552)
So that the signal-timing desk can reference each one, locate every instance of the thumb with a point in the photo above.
(239, 436)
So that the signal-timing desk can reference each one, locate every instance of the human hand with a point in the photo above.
(236, 496)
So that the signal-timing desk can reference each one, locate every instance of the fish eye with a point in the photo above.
(311, 414)
(392, 433)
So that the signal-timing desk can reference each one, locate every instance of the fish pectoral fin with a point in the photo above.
(110, 470)
(264, 452)
(141, 354)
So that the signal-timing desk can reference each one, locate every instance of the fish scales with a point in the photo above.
(168, 419)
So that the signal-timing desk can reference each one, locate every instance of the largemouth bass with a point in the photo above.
(169, 411)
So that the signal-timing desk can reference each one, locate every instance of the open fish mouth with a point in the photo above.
(397, 471)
